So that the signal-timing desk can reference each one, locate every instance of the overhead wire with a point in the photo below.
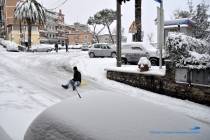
(59, 5)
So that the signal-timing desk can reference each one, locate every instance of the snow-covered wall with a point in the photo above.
(164, 84)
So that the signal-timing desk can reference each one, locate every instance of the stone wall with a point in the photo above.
(165, 85)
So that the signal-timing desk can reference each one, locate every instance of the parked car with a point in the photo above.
(11, 46)
(41, 48)
(61, 46)
(77, 46)
(85, 48)
(132, 52)
(101, 50)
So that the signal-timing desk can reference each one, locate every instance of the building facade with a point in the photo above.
(183, 25)
(54, 29)
(52, 32)
(48, 32)
(79, 34)
(105, 38)
(62, 37)
(11, 28)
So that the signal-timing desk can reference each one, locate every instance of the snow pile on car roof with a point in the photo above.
(105, 116)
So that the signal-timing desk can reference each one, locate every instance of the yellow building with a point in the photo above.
(20, 37)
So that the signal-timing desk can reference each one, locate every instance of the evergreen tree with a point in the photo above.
(201, 21)
(199, 16)
(182, 14)
(106, 17)
(185, 13)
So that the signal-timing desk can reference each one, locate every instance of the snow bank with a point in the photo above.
(107, 116)
(30, 82)
(186, 50)
(4, 135)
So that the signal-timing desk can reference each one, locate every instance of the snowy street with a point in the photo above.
(31, 82)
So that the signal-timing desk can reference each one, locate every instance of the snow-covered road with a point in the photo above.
(30, 83)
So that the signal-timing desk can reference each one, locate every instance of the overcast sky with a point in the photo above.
(80, 10)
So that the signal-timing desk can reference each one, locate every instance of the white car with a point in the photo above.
(42, 48)
(101, 50)
(9, 45)
(78, 46)
(132, 52)
(12, 48)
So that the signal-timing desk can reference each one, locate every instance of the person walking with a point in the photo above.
(76, 81)
(67, 47)
(56, 47)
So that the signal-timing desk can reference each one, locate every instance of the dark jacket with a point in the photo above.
(56, 46)
(77, 76)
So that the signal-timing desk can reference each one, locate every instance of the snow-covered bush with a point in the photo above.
(144, 64)
(186, 50)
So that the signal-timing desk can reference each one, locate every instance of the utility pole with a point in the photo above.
(160, 31)
(119, 61)
(119, 36)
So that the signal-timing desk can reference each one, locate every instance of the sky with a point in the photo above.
(81, 10)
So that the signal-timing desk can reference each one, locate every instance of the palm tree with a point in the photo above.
(30, 12)
(137, 36)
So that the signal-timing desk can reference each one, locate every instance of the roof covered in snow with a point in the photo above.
(181, 21)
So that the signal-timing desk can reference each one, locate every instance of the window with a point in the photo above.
(103, 46)
(97, 46)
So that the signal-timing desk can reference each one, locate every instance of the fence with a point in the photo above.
(185, 84)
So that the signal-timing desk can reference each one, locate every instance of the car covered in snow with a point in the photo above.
(42, 48)
(101, 50)
(108, 116)
(132, 52)
(12, 46)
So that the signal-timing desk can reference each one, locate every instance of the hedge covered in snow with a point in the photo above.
(187, 51)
